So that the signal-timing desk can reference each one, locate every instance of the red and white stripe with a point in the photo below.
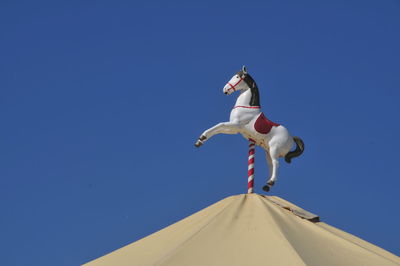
(250, 172)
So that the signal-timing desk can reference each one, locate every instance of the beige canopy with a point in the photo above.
(249, 229)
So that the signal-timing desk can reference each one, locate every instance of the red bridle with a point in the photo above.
(233, 86)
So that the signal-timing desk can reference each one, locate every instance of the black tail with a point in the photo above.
(297, 152)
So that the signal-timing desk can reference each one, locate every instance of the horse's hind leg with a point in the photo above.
(274, 155)
(270, 166)
(269, 162)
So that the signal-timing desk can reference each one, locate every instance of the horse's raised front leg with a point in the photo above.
(224, 127)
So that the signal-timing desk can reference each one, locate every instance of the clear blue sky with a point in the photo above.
(101, 103)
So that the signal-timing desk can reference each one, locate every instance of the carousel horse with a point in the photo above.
(247, 119)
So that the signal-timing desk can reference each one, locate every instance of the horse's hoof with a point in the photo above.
(271, 183)
(266, 188)
(198, 143)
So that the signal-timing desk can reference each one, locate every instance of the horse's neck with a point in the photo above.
(244, 98)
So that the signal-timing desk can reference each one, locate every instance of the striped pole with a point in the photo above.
(250, 172)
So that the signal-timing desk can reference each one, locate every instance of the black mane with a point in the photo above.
(255, 96)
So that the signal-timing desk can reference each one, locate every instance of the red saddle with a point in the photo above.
(263, 125)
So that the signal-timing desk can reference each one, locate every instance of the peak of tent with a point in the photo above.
(285, 205)
(249, 229)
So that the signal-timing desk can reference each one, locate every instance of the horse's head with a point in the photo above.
(237, 82)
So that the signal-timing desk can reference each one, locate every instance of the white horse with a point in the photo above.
(247, 119)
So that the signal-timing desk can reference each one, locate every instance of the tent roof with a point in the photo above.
(249, 229)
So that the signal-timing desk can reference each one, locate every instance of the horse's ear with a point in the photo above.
(244, 69)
